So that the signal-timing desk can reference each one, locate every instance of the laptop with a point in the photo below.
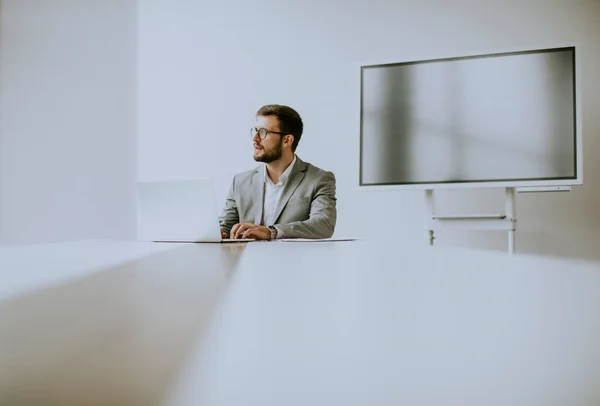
(179, 211)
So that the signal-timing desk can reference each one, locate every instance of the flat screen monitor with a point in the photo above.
(508, 119)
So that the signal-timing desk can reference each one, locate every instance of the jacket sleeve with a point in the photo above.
(323, 213)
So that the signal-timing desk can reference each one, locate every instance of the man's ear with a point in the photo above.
(289, 140)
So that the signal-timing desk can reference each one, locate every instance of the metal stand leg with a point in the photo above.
(429, 214)
(510, 211)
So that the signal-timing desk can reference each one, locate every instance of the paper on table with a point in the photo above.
(315, 239)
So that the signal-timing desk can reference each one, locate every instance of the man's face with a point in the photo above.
(269, 149)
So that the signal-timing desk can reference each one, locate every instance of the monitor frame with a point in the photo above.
(576, 181)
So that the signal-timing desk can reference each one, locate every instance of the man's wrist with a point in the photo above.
(273, 232)
(276, 232)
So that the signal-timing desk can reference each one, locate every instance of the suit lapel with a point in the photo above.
(296, 176)
(258, 190)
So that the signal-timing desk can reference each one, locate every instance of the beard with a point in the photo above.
(270, 155)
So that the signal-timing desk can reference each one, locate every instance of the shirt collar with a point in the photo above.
(284, 176)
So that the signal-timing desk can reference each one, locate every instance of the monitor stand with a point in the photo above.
(506, 221)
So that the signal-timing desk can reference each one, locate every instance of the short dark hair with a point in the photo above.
(290, 121)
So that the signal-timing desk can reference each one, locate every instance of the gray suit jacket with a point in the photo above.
(307, 208)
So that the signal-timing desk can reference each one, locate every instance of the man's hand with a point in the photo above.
(249, 230)
(223, 234)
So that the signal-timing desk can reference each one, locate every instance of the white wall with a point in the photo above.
(67, 120)
(205, 70)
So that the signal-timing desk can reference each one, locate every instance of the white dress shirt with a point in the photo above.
(273, 194)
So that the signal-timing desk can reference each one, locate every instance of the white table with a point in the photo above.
(352, 323)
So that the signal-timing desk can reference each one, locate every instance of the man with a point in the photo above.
(286, 197)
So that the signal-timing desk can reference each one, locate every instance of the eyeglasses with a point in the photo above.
(263, 132)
